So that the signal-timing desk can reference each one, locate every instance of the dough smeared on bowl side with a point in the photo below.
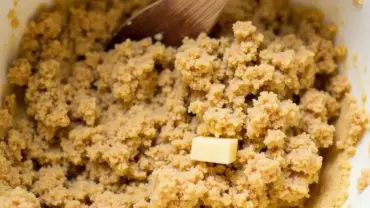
(114, 129)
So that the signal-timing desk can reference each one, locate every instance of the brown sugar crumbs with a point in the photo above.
(114, 129)
(12, 16)
(364, 180)
(14, 21)
(358, 3)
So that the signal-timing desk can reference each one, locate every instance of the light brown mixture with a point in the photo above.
(12, 16)
(331, 191)
(364, 180)
(358, 3)
(114, 129)
(14, 21)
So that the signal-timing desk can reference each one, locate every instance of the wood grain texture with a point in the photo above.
(175, 19)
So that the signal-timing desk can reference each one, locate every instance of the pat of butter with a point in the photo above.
(215, 150)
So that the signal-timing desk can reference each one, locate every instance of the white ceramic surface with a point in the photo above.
(354, 32)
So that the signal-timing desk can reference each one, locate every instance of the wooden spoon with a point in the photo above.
(174, 19)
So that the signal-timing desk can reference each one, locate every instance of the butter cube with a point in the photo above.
(215, 150)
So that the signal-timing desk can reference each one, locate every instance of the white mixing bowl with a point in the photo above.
(354, 32)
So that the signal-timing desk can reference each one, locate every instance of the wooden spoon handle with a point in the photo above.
(175, 19)
(199, 14)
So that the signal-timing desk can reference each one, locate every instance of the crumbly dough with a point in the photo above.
(358, 3)
(331, 191)
(114, 129)
(364, 180)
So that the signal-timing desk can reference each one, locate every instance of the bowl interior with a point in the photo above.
(354, 33)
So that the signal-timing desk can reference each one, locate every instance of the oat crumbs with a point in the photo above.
(114, 128)
(358, 3)
(364, 180)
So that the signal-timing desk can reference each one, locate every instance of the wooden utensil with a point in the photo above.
(174, 19)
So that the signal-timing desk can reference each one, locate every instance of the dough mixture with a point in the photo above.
(114, 129)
